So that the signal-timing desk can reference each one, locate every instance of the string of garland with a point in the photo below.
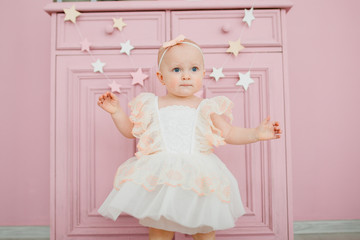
(138, 77)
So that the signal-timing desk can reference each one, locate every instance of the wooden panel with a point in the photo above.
(260, 168)
(216, 28)
(89, 148)
(143, 29)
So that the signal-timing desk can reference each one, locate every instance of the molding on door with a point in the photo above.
(334, 226)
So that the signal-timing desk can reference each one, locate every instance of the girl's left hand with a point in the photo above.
(268, 130)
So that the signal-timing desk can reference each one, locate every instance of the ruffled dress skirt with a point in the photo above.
(186, 193)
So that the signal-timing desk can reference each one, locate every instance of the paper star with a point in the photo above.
(245, 80)
(249, 16)
(115, 87)
(235, 47)
(98, 66)
(118, 23)
(85, 45)
(126, 47)
(71, 14)
(138, 77)
(217, 73)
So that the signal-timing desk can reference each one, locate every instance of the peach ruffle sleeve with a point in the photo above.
(146, 124)
(207, 135)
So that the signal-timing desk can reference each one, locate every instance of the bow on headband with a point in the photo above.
(173, 42)
(177, 40)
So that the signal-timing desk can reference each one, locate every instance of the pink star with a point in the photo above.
(85, 45)
(138, 77)
(115, 87)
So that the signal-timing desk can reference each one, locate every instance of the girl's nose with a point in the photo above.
(186, 76)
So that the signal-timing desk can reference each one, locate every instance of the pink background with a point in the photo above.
(323, 56)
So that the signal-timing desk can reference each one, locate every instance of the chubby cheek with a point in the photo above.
(172, 85)
(198, 83)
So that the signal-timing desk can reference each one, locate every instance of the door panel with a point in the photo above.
(260, 168)
(89, 147)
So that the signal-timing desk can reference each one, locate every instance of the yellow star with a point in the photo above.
(235, 47)
(119, 23)
(71, 14)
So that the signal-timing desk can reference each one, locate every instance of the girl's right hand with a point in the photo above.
(109, 102)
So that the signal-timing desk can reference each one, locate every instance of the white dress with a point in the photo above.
(175, 182)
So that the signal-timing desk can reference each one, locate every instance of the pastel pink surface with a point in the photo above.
(25, 119)
(324, 112)
(323, 116)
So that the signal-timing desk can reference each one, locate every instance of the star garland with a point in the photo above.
(138, 77)
(71, 14)
(126, 47)
(118, 23)
(245, 80)
(235, 47)
(249, 17)
(217, 73)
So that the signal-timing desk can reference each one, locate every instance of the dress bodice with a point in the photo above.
(177, 127)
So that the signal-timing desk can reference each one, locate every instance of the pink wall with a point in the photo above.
(324, 53)
(323, 59)
(24, 121)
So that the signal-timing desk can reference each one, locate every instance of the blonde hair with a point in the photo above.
(162, 49)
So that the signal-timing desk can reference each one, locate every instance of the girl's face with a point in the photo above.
(182, 70)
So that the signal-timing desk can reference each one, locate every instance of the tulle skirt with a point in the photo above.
(179, 205)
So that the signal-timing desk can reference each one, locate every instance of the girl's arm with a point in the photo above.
(237, 135)
(123, 123)
(110, 103)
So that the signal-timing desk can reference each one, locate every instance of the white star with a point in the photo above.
(126, 47)
(138, 77)
(217, 73)
(245, 80)
(249, 16)
(98, 66)
(115, 87)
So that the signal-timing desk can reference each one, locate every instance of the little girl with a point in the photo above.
(175, 183)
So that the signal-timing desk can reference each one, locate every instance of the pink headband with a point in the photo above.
(178, 40)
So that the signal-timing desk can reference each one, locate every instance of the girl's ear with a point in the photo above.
(160, 77)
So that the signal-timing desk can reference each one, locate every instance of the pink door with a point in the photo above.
(88, 148)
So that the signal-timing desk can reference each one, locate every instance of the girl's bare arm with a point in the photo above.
(123, 123)
(110, 103)
(237, 135)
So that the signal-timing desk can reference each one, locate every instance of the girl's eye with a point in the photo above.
(194, 69)
(176, 69)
